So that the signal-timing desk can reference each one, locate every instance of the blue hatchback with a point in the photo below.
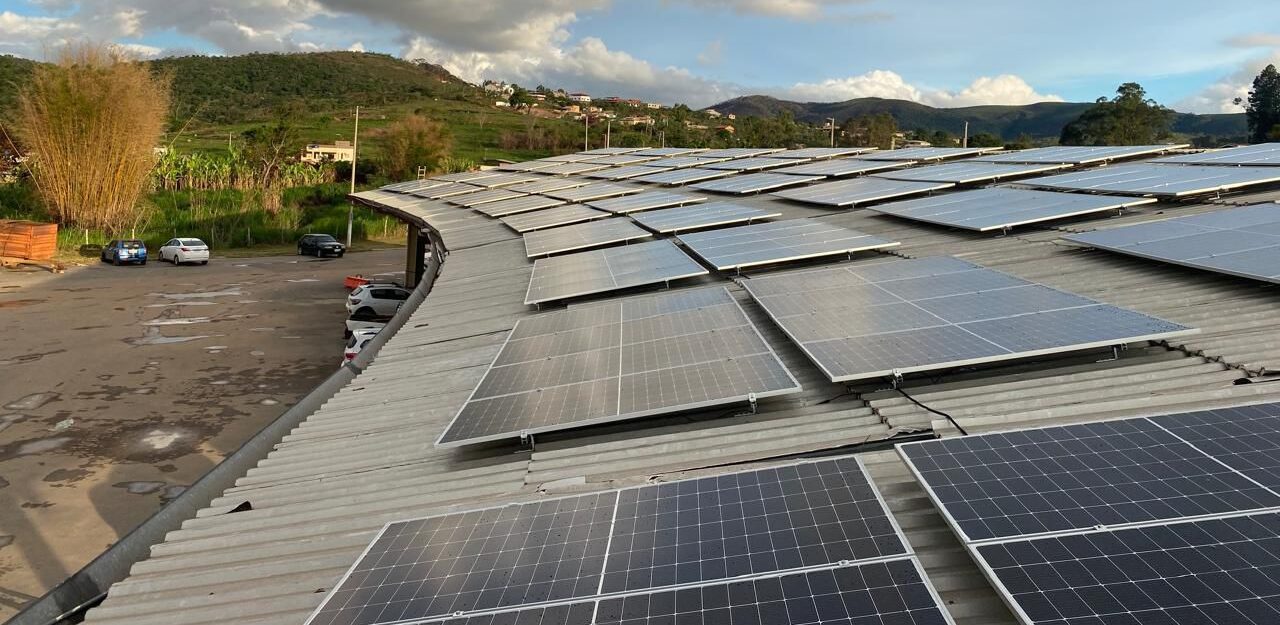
(125, 251)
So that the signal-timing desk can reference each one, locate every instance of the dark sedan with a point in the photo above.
(320, 245)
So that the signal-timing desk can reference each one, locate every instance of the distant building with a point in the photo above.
(731, 116)
(538, 97)
(713, 114)
(580, 97)
(340, 151)
(560, 93)
(726, 128)
(495, 87)
(572, 109)
(502, 103)
(638, 120)
(653, 105)
(613, 99)
(634, 102)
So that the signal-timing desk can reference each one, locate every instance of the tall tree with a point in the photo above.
(1130, 118)
(1263, 107)
(875, 131)
(413, 141)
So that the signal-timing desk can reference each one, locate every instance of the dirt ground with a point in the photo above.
(120, 386)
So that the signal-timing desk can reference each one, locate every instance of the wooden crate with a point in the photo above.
(28, 239)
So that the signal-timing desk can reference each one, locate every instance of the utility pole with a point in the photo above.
(355, 145)
(586, 132)
(832, 121)
(965, 142)
(608, 132)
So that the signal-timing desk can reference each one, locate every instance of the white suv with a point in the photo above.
(178, 251)
(377, 299)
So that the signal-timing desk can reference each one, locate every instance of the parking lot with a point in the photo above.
(120, 386)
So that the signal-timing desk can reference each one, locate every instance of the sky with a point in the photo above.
(1192, 55)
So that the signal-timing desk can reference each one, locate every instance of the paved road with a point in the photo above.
(119, 386)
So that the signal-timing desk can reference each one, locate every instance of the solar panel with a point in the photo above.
(572, 158)
(738, 152)
(682, 176)
(624, 173)
(581, 236)
(592, 191)
(859, 191)
(622, 159)
(809, 542)
(841, 167)
(543, 185)
(777, 242)
(569, 169)
(620, 359)
(1246, 439)
(1001, 208)
(1076, 477)
(1242, 241)
(924, 154)
(601, 271)
(552, 217)
(503, 180)
(448, 190)
(668, 151)
(672, 220)
(527, 165)
(513, 206)
(681, 162)
(1206, 572)
(751, 164)
(467, 176)
(1077, 154)
(484, 197)
(1261, 154)
(867, 321)
(754, 183)
(607, 151)
(821, 152)
(1159, 180)
(645, 201)
(967, 172)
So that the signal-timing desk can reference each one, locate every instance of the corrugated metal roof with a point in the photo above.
(366, 457)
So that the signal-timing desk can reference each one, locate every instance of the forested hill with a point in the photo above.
(232, 89)
(13, 72)
(1041, 120)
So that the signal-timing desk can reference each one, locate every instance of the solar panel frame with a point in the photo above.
(625, 172)
(515, 206)
(527, 165)
(1159, 180)
(1002, 208)
(821, 153)
(563, 215)
(467, 176)
(722, 248)
(677, 177)
(543, 185)
(611, 150)
(758, 163)
(632, 377)
(682, 162)
(646, 200)
(591, 234)
(662, 152)
(574, 157)
(673, 220)
(448, 190)
(1257, 155)
(592, 191)
(856, 191)
(904, 334)
(754, 183)
(503, 179)
(1077, 154)
(924, 154)
(840, 167)
(483, 196)
(965, 172)
(648, 253)
(622, 159)
(1250, 249)
(739, 152)
(573, 168)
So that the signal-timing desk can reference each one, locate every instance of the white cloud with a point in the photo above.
(713, 54)
(356, 47)
(27, 35)
(1219, 97)
(1003, 89)
(790, 9)
(1255, 40)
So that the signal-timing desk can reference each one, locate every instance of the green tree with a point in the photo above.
(1130, 118)
(869, 131)
(411, 142)
(985, 140)
(519, 96)
(1263, 107)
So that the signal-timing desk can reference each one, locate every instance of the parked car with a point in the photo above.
(358, 340)
(364, 321)
(320, 245)
(377, 299)
(178, 251)
(125, 251)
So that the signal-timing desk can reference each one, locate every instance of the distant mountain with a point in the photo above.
(1040, 120)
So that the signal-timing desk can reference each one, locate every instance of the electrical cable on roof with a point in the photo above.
(934, 411)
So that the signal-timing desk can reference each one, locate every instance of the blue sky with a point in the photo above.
(1193, 55)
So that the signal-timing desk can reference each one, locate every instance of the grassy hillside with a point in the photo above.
(13, 72)
(1041, 120)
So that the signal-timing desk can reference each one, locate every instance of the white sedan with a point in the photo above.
(377, 299)
(178, 251)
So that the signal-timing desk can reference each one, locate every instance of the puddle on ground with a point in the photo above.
(262, 329)
(177, 322)
(28, 448)
(204, 295)
(302, 280)
(191, 303)
(152, 336)
(257, 352)
(9, 419)
(172, 492)
(66, 475)
(247, 301)
(32, 401)
(268, 402)
(160, 440)
(6, 540)
(140, 488)
(17, 360)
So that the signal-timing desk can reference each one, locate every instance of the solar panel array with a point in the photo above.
(1167, 519)
(682, 176)
(581, 236)
(1241, 241)
(751, 164)
(738, 152)
(822, 152)
(607, 151)
(484, 197)
(859, 191)
(624, 173)
(517, 205)
(663, 152)
(569, 169)
(805, 543)
(448, 190)
(620, 359)
(681, 162)
(527, 165)
(592, 191)
(1261, 154)
(543, 185)
(754, 183)
(621, 159)
(1000, 208)
(467, 176)
(645, 201)
(601, 271)
(924, 154)
(572, 158)
(777, 242)
(671, 220)
(966, 172)
(1160, 180)
(838, 167)
(503, 180)
(1077, 154)
(868, 321)
(552, 217)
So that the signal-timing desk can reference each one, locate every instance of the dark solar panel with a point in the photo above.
(1245, 438)
(619, 360)
(552, 217)
(777, 242)
(1208, 572)
(582, 236)
(701, 216)
(1077, 477)
(601, 271)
